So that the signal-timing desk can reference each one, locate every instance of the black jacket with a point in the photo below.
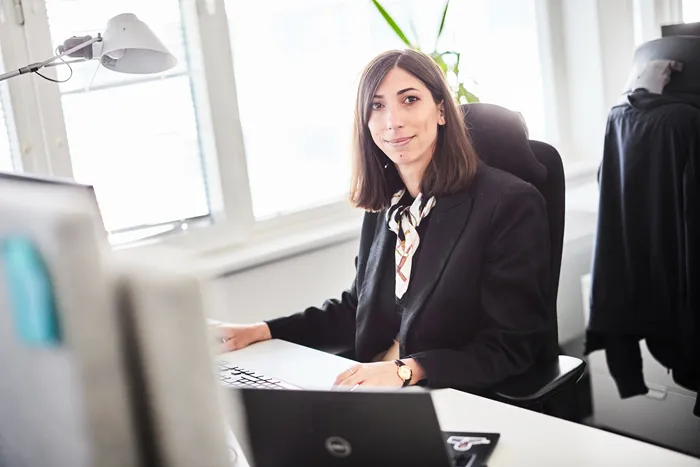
(477, 310)
(646, 260)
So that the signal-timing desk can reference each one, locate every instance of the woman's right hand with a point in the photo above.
(239, 336)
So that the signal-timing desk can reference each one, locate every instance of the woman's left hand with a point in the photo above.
(379, 374)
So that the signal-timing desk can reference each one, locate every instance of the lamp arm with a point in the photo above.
(31, 68)
(66, 62)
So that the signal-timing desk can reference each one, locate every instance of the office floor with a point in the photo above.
(636, 418)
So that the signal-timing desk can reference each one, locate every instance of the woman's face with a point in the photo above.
(404, 119)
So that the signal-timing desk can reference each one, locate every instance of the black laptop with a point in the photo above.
(344, 429)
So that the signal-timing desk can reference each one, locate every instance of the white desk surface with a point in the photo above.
(527, 438)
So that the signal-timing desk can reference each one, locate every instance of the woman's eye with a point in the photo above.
(376, 105)
(411, 99)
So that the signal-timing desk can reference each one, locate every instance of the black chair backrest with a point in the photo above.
(501, 141)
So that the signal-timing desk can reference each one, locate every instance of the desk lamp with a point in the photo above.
(127, 46)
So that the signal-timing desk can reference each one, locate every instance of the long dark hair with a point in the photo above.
(375, 178)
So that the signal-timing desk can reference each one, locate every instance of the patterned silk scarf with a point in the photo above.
(404, 221)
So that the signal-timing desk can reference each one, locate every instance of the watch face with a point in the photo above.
(405, 372)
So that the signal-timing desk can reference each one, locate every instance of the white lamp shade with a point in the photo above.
(129, 46)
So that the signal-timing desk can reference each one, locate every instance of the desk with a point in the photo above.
(527, 438)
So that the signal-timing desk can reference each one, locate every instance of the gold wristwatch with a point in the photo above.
(405, 373)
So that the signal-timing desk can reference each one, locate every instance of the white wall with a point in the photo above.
(286, 286)
(576, 262)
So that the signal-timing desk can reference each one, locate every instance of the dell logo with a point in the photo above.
(338, 447)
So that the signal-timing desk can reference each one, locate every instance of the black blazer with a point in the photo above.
(477, 310)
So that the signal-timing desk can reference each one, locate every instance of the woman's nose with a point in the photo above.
(394, 119)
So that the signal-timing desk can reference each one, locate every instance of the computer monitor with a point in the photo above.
(102, 362)
(17, 184)
(183, 416)
(64, 398)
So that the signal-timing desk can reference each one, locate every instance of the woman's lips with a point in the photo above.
(398, 142)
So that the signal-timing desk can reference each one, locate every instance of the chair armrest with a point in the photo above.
(541, 382)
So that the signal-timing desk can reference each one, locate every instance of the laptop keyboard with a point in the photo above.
(237, 377)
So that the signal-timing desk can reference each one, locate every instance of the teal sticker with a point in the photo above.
(31, 297)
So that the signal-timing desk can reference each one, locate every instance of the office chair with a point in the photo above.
(500, 138)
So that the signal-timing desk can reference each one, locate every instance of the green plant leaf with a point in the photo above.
(462, 96)
(463, 93)
(454, 67)
(442, 22)
(437, 56)
(390, 21)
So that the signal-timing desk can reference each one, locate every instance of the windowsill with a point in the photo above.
(202, 254)
(284, 240)
(277, 248)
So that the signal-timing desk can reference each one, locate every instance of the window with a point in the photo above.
(297, 64)
(500, 53)
(691, 11)
(251, 131)
(134, 137)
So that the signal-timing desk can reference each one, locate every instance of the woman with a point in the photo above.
(452, 271)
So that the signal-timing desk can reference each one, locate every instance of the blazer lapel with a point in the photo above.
(450, 216)
(379, 263)
(381, 248)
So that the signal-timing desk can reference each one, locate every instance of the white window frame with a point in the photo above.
(25, 109)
